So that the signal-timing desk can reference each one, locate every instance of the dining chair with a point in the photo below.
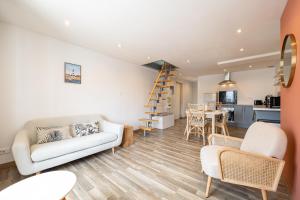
(196, 124)
(222, 123)
(191, 108)
(195, 107)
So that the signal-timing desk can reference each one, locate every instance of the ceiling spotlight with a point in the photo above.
(242, 49)
(188, 61)
(67, 23)
(239, 30)
(250, 66)
(119, 45)
(148, 57)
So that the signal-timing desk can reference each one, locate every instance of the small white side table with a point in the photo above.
(47, 186)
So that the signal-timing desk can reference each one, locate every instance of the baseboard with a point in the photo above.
(6, 158)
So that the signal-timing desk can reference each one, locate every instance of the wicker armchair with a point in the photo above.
(256, 161)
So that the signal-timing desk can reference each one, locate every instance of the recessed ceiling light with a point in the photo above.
(242, 49)
(148, 57)
(119, 45)
(239, 30)
(67, 23)
(188, 61)
(250, 66)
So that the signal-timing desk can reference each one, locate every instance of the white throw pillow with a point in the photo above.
(52, 134)
(84, 129)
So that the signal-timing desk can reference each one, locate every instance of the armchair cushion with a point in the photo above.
(265, 139)
(210, 160)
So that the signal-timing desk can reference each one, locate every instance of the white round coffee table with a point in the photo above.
(46, 186)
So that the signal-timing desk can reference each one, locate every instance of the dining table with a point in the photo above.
(211, 114)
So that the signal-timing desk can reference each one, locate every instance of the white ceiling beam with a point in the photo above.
(249, 58)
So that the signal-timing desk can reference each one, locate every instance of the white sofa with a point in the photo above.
(31, 158)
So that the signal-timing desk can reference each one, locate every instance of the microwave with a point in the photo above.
(274, 102)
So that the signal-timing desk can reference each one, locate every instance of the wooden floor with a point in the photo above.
(162, 165)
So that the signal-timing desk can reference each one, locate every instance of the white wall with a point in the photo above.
(251, 85)
(32, 83)
(189, 94)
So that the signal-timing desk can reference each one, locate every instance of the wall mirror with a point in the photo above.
(288, 60)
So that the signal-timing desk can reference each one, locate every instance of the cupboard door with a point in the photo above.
(238, 114)
(248, 116)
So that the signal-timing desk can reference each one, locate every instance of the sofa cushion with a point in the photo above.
(209, 160)
(84, 129)
(40, 152)
(52, 134)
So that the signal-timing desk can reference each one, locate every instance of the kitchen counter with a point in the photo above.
(264, 108)
(262, 113)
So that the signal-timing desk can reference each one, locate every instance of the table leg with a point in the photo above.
(213, 124)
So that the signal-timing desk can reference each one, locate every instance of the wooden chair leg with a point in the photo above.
(187, 135)
(226, 129)
(264, 194)
(189, 130)
(223, 130)
(203, 138)
(113, 150)
(186, 128)
(208, 187)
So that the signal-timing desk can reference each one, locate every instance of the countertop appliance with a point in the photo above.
(258, 102)
(272, 102)
(275, 102)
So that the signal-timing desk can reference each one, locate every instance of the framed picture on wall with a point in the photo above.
(72, 73)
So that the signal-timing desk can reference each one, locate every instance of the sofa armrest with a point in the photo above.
(21, 153)
(249, 169)
(227, 141)
(111, 127)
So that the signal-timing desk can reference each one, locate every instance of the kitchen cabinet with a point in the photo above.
(243, 116)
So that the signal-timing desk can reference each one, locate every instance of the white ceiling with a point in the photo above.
(203, 32)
